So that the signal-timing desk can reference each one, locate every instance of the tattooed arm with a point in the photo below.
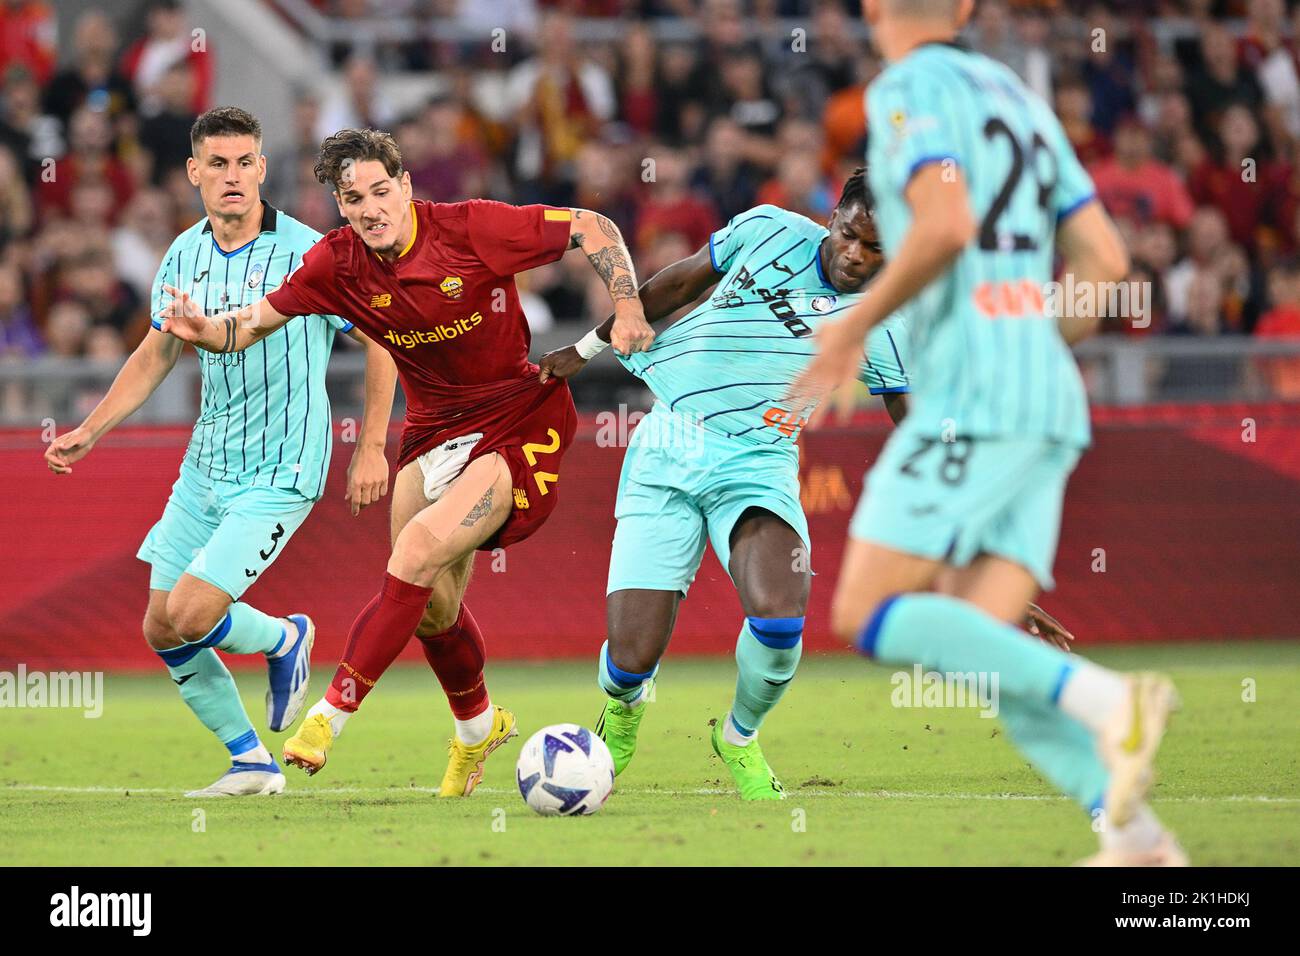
(231, 331)
(665, 292)
(603, 245)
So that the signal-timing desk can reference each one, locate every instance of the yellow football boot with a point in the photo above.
(465, 764)
(1129, 742)
(309, 747)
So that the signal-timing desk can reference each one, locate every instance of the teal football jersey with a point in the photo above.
(729, 362)
(988, 357)
(265, 416)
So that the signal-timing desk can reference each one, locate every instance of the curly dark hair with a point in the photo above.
(348, 147)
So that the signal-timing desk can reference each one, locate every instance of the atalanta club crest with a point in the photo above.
(452, 287)
(823, 303)
(255, 275)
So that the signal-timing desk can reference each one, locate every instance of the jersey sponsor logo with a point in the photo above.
(256, 275)
(823, 303)
(228, 359)
(783, 420)
(1014, 299)
(452, 287)
(381, 301)
(441, 333)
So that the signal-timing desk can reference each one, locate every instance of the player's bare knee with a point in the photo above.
(418, 557)
(158, 632)
(192, 621)
(768, 602)
(633, 655)
(636, 645)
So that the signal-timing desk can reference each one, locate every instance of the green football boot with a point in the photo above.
(749, 767)
(617, 726)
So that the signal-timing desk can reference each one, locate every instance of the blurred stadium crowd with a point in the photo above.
(1192, 135)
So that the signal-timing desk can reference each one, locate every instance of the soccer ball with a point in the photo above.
(565, 770)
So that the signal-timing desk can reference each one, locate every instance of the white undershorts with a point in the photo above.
(443, 464)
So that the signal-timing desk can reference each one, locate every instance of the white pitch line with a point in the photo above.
(651, 791)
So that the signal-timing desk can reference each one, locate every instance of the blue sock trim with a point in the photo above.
(866, 643)
(176, 656)
(241, 766)
(780, 633)
(1066, 670)
(217, 634)
(284, 636)
(243, 743)
(741, 728)
(625, 679)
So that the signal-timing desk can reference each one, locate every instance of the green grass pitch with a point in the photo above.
(867, 783)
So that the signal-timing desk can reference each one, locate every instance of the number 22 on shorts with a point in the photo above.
(532, 449)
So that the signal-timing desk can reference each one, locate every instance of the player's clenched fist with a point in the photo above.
(631, 332)
(562, 363)
(67, 448)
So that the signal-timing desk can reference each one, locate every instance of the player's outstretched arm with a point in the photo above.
(1094, 253)
(603, 244)
(942, 226)
(368, 470)
(671, 288)
(144, 370)
(227, 332)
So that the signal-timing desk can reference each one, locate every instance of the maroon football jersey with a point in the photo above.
(447, 309)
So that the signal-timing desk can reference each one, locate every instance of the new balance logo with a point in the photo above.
(381, 301)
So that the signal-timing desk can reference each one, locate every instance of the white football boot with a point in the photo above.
(245, 780)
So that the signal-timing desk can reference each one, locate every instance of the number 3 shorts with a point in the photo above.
(224, 533)
(953, 501)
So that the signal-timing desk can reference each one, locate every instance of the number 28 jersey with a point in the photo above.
(988, 359)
